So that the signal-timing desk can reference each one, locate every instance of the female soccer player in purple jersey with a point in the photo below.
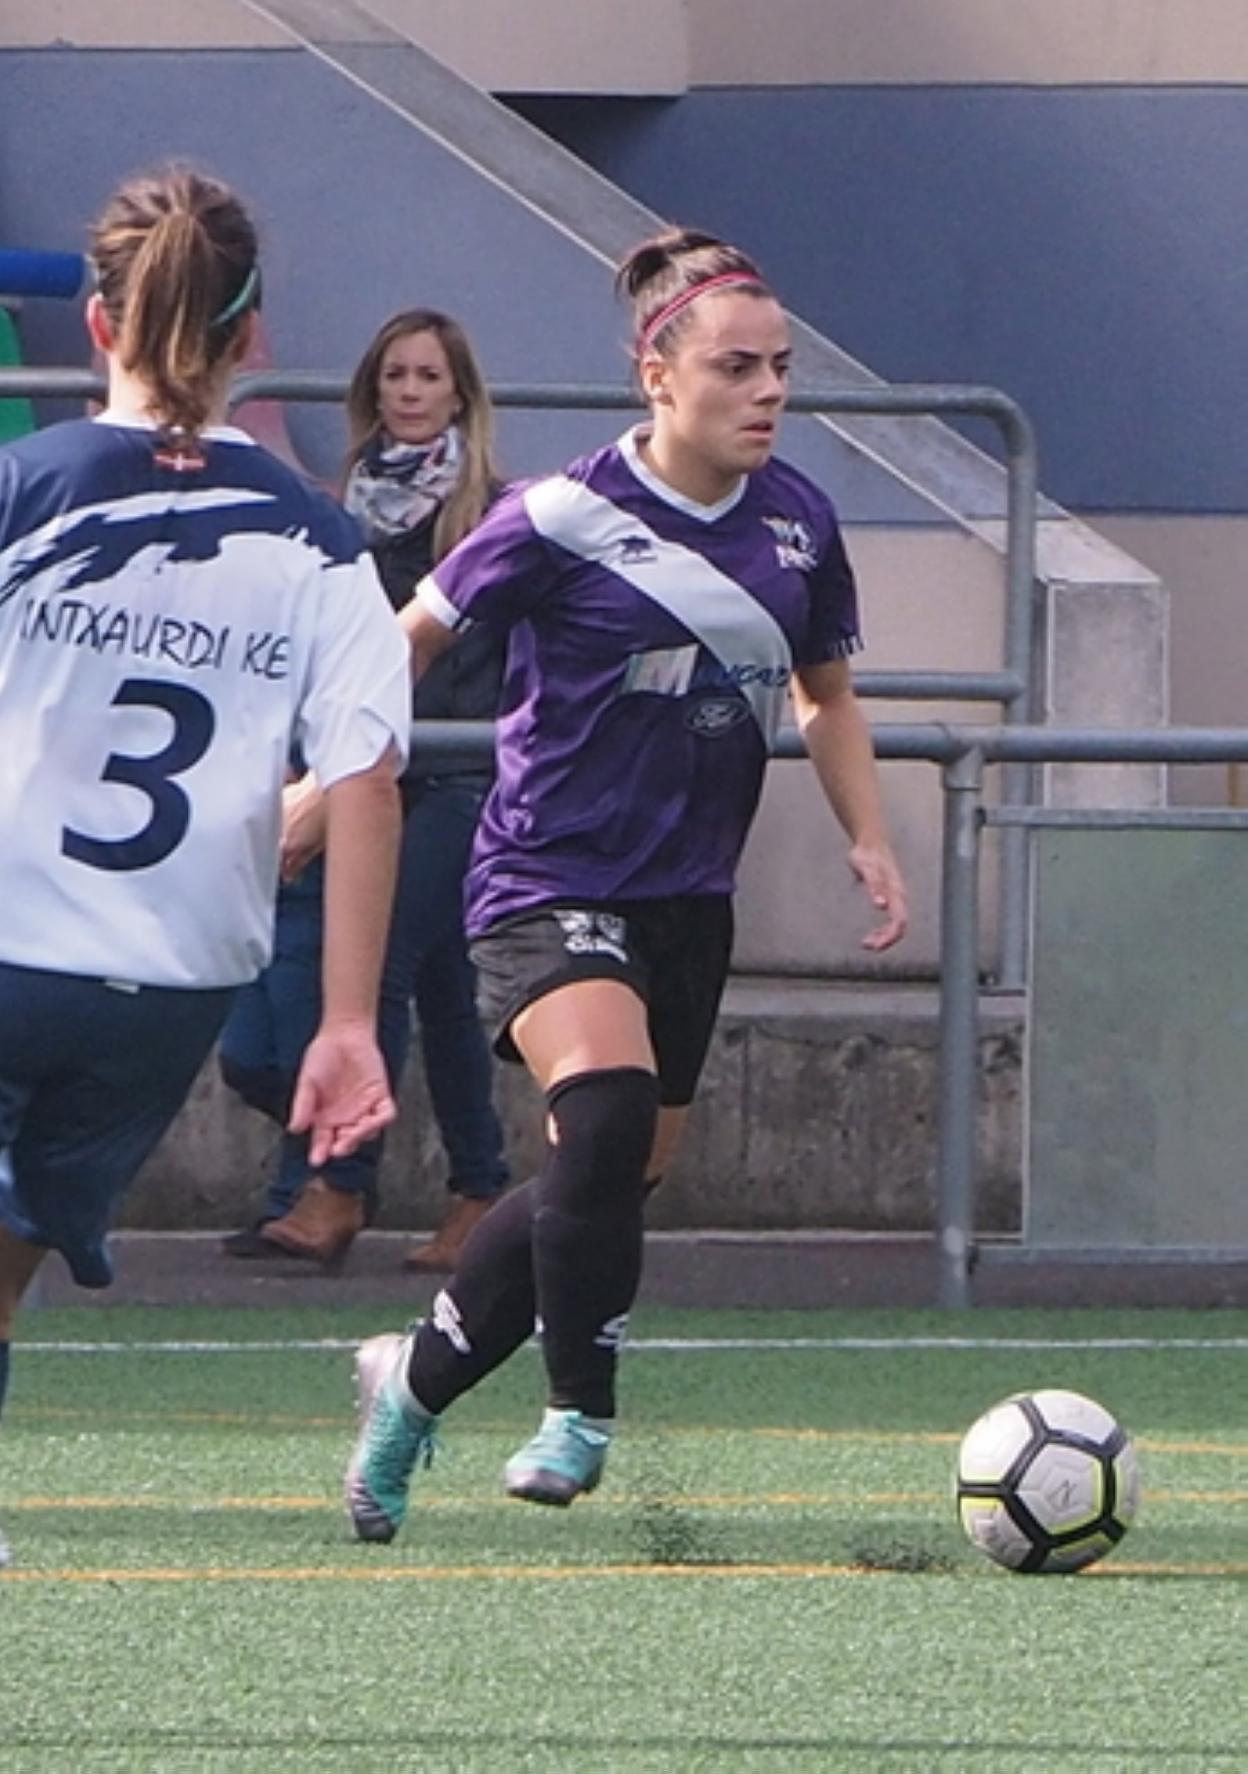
(662, 598)
(176, 610)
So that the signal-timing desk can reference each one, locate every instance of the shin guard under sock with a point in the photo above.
(587, 1231)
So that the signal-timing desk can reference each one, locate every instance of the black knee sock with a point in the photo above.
(587, 1231)
(491, 1301)
(486, 1310)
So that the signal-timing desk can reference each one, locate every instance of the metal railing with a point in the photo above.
(962, 753)
(1014, 688)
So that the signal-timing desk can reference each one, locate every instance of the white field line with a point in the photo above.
(668, 1345)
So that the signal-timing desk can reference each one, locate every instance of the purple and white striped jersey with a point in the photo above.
(652, 640)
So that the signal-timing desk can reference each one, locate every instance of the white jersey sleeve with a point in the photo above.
(165, 640)
(358, 698)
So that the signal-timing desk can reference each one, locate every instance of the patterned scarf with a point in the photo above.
(394, 487)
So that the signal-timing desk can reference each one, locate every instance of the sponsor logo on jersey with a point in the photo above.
(673, 671)
(714, 716)
(663, 671)
(594, 933)
(795, 546)
(714, 675)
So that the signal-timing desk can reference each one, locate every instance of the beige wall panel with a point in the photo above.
(130, 24)
(922, 42)
(574, 46)
(1204, 563)
(932, 601)
(661, 46)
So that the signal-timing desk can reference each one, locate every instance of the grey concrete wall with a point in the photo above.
(818, 1109)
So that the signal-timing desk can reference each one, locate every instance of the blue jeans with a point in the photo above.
(426, 962)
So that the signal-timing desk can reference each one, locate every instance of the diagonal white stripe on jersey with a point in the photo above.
(748, 642)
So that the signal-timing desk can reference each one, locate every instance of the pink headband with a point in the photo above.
(725, 280)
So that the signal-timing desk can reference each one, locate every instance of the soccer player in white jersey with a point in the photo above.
(662, 597)
(177, 610)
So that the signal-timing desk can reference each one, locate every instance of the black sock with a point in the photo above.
(491, 1300)
(587, 1231)
(486, 1310)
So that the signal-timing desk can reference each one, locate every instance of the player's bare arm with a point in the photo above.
(343, 1097)
(427, 636)
(304, 825)
(838, 740)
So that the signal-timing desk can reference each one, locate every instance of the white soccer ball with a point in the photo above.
(1047, 1481)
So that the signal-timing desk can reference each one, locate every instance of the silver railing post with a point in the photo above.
(963, 781)
(1021, 656)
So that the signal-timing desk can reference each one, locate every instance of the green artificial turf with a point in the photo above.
(772, 1575)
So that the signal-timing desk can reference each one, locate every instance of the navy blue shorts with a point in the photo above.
(674, 953)
(91, 1075)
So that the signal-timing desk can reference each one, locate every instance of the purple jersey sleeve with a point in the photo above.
(834, 631)
(498, 574)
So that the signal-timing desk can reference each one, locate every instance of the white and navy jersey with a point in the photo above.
(166, 637)
(652, 644)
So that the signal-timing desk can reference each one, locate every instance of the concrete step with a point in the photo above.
(818, 1109)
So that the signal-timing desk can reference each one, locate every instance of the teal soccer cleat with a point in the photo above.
(564, 1459)
(395, 1437)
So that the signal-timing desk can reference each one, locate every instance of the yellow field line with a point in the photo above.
(533, 1573)
(627, 1500)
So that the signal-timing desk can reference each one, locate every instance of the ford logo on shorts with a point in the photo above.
(714, 715)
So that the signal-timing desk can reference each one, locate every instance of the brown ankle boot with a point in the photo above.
(321, 1225)
(442, 1251)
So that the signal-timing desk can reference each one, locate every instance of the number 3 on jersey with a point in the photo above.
(193, 725)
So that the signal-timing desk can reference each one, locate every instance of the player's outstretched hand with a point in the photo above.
(342, 1097)
(876, 867)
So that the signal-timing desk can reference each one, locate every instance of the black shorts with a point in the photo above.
(673, 952)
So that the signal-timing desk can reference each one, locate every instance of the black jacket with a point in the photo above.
(463, 683)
